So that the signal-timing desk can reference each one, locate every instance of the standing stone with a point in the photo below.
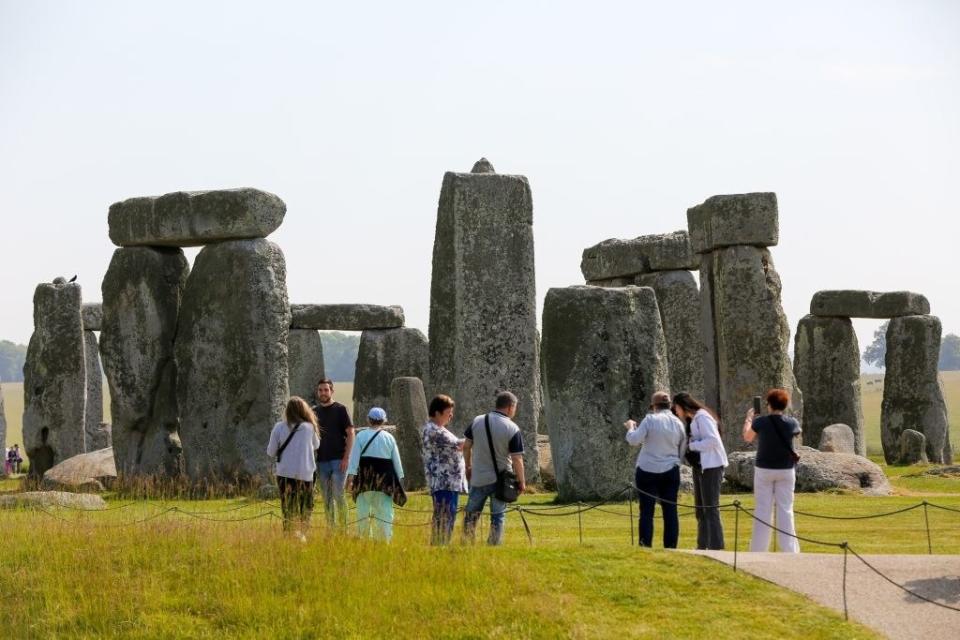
(142, 291)
(838, 438)
(746, 335)
(231, 354)
(385, 354)
(604, 355)
(678, 299)
(483, 308)
(92, 315)
(409, 406)
(99, 438)
(913, 447)
(827, 368)
(54, 378)
(93, 415)
(912, 397)
(306, 362)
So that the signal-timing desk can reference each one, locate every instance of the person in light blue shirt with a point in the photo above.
(662, 438)
(373, 475)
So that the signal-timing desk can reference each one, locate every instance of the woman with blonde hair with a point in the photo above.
(293, 442)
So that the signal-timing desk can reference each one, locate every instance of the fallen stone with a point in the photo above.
(619, 258)
(85, 472)
(483, 303)
(913, 447)
(746, 335)
(837, 438)
(868, 304)
(949, 471)
(408, 402)
(93, 412)
(385, 354)
(41, 499)
(91, 313)
(604, 355)
(345, 317)
(54, 374)
(827, 367)
(817, 471)
(731, 220)
(195, 218)
(912, 397)
(142, 291)
(678, 299)
(231, 354)
(306, 362)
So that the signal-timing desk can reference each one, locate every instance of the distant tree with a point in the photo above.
(949, 353)
(12, 357)
(339, 355)
(876, 352)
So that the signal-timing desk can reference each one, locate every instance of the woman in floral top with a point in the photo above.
(443, 467)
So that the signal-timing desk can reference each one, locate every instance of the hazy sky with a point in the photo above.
(621, 115)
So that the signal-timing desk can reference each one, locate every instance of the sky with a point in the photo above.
(621, 115)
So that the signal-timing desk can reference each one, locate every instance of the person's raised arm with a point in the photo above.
(748, 433)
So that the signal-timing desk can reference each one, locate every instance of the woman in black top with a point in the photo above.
(774, 476)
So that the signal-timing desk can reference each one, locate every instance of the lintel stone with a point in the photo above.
(618, 258)
(742, 219)
(346, 317)
(869, 304)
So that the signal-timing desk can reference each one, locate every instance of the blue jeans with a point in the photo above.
(444, 515)
(662, 488)
(476, 499)
(331, 481)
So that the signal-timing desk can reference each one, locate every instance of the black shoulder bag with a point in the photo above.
(285, 443)
(508, 489)
(794, 456)
(396, 492)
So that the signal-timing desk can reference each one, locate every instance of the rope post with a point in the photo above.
(926, 521)
(846, 614)
(631, 520)
(525, 525)
(736, 532)
(580, 520)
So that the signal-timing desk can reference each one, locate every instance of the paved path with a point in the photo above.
(871, 600)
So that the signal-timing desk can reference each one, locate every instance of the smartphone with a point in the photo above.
(756, 405)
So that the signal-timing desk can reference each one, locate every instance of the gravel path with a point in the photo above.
(871, 600)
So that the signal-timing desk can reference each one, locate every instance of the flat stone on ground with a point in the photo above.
(87, 471)
(817, 471)
(40, 499)
(868, 304)
(345, 317)
(195, 218)
(618, 258)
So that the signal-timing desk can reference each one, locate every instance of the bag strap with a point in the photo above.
(286, 442)
(780, 437)
(369, 442)
(493, 455)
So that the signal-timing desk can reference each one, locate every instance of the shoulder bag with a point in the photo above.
(285, 443)
(794, 456)
(508, 489)
(397, 494)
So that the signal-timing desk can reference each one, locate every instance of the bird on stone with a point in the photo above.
(73, 279)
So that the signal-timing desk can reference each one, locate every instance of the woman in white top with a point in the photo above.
(294, 443)
(708, 474)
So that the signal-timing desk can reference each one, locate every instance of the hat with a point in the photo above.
(377, 413)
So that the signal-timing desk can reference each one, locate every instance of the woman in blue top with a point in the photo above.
(443, 467)
(376, 471)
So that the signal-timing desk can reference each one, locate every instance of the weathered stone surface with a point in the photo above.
(195, 218)
(385, 354)
(231, 354)
(817, 471)
(85, 472)
(268, 492)
(827, 367)
(483, 307)
(408, 402)
(678, 299)
(837, 438)
(100, 438)
(912, 397)
(618, 258)
(726, 221)
(625, 281)
(746, 335)
(913, 447)
(142, 291)
(482, 166)
(54, 386)
(93, 413)
(604, 354)
(548, 476)
(41, 499)
(91, 313)
(345, 317)
(306, 362)
(868, 304)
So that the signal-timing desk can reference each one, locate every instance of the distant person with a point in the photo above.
(294, 443)
(481, 468)
(707, 478)
(333, 456)
(374, 474)
(774, 475)
(661, 436)
(14, 458)
(7, 463)
(443, 467)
